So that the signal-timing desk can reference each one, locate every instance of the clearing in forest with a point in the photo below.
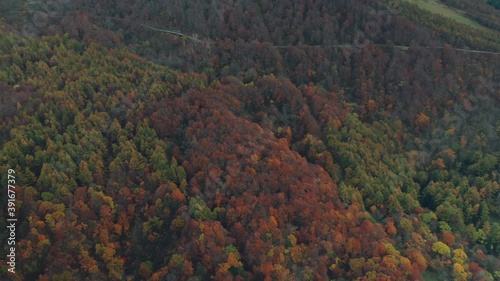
(434, 6)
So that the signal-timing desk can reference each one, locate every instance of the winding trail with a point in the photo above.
(195, 39)
(405, 48)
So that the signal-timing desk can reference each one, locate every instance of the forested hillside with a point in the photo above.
(250, 140)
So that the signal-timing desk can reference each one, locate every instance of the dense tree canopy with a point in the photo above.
(285, 149)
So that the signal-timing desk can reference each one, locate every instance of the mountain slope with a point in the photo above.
(347, 140)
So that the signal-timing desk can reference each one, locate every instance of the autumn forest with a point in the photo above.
(249, 140)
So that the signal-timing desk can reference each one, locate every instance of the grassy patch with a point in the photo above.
(436, 7)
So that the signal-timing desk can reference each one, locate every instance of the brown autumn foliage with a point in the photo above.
(264, 153)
